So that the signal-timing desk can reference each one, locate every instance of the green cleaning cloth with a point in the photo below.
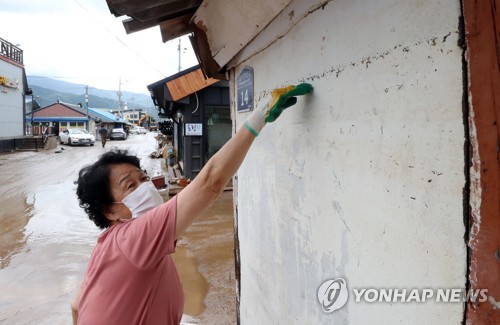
(284, 97)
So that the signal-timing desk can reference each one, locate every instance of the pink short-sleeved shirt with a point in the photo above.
(131, 277)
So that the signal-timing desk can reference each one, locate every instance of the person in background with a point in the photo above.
(131, 277)
(45, 135)
(104, 134)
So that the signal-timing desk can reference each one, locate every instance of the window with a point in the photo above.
(219, 128)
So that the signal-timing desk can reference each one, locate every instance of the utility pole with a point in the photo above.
(119, 93)
(87, 105)
(179, 50)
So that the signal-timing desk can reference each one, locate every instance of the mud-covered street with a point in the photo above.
(46, 239)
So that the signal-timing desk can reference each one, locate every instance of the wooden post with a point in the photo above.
(482, 36)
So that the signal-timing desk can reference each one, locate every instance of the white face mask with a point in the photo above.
(142, 199)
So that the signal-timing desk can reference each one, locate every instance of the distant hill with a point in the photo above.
(49, 90)
(45, 97)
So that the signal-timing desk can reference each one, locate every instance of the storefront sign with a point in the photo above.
(193, 129)
(4, 81)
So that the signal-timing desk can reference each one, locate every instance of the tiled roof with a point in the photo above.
(58, 110)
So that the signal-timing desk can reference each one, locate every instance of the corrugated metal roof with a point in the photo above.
(104, 116)
(188, 84)
(149, 13)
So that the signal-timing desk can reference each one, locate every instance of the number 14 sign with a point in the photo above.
(244, 90)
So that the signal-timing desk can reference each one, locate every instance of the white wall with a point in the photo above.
(362, 179)
(11, 102)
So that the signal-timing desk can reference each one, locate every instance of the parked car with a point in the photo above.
(118, 134)
(153, 127)
(138, 130)
(76, 136)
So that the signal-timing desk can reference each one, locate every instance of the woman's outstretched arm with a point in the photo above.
(210, 182)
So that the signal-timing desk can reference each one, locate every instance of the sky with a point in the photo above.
(80, 41)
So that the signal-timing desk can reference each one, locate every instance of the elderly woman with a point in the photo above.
(131, 278)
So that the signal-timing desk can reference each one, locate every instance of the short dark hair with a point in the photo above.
(93, 191)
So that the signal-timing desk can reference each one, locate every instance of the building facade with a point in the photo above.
(197, 116)
(59, 116)
(13, 90)
(132, 116)
(367, 173)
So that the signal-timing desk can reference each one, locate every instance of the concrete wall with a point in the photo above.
(11, 102)
(363, 179)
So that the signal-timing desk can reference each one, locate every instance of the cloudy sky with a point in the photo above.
(80, 41)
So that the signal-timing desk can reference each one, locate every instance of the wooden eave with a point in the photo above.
(219, 31)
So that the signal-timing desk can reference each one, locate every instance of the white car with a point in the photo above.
(118, 134)
(138, 130)
(76, 136)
